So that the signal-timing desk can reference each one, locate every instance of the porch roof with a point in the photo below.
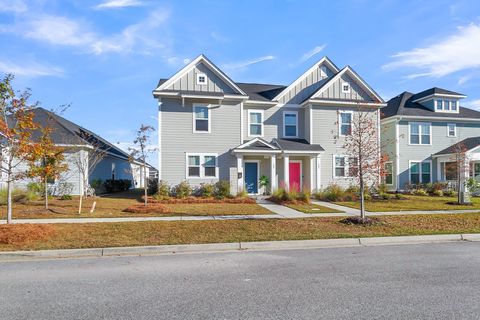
(259, 145)
(467, 144)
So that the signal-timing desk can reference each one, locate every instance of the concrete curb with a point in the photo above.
(234, 246)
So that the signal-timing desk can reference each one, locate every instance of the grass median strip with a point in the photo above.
(312, 208)
(63, 236)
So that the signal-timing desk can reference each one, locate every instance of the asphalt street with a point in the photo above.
(428, 281)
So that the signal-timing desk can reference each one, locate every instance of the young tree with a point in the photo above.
(85, 160)
(47, 162)
(16, 127)
(140, 151)
(363, 151)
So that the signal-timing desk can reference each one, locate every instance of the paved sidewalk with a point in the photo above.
(283, 211)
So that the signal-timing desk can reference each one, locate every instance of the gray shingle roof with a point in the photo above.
(403, 105)
(67, 132)
(435, 90)
(297, 145)
(261, 92)
(467, 144)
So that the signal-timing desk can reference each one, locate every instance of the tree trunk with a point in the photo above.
(145, 187)
(46, 194)
(9, 201)
(362, 199)
(80, 203)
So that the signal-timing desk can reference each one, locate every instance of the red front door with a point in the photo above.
(295, 176)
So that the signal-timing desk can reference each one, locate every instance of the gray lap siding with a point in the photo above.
(178, 138)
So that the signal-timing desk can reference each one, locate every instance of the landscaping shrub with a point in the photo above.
(384, 196)
(163, 190)
(242, 194)
(399, 196)
(437, 193)
(182, 190)
(117, 185)
(382, 189)
(222, 189)
(450, 193)
(97, 184)
(305, 196)
(420, 192)
(206, 190)
(152, 186)
(25, 197)
(36, 187)
(66, 197)
(332, 193)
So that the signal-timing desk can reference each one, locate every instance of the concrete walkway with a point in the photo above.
(284, 212)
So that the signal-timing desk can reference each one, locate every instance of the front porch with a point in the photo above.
(282, 163)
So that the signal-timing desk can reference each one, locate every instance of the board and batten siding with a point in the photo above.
(189, 82)
(307, 86)
(325, 127)
(334, 91)
(178, 138)
(273, 121)
(440, 141)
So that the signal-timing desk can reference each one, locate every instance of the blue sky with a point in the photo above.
(106, 56)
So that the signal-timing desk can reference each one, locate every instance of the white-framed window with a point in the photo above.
(388, 176)
(201, 118)
(290, 124)
(344, 167)
(445, 105)
(201, 79)
(201, 166)
(255, 123)
(420, 133)
(345, 87)
(451, 130)
(345, 123)
(420, 171)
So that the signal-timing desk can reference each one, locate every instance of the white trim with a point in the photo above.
(420, 172)
(159, 140)
(241, 122)
(431, 118)
(310, 111)
(301, 173)
(420, 134)
(257, 139)
(258, 174)
(202, 167)
(209, 114)
(261, 122)
(318, 163)
(257, 102)
(191, 65)
(296, 124)
(441, 95)
(303, 75)
(443, 110)
(345, 166)
(397, 155)
(273, 173)
(199, 83)
(454, 129)
(337, 103)
(385, 180)
(340, 121)
(240, 151)
(353, 75)
(345, 83)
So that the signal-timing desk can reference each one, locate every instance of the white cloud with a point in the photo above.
(475, 104)
(186, 61)
(63, 31)
(246, 63)
(313, 52)
(29, 69)
(219, 37)
(109, 4)
(457, 52)
(16, 6)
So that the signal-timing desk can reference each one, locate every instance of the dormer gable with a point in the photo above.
(439, 100)
(200, 76)
(308, 82)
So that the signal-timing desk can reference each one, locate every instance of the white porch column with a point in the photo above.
(240, 176)
(319, 171)
(286, 171)
(273, 173)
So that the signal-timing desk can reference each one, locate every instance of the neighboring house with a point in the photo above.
(212, 128)
(139, 175)
(78, 142)
(420, 133)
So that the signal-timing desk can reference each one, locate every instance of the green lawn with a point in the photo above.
(98, 235)
(311, 208)
(413, 203)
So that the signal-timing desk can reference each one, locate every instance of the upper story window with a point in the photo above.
(290, 124)
(451, 130)
(201, 79)
(420, 133)
(255, 123)
(201, 118)
(345, 123)
(201, 165)
(446, 105)
(345, 87)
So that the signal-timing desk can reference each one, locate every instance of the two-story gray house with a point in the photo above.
(421, 134)
(211, 128)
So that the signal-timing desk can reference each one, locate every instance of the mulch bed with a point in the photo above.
(192, 200)
(149, 208)
(367, 221)
(23, 233)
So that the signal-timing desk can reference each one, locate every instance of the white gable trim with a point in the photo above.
(315, 66)
(355, 77)
(246, 144)
(191, 65)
